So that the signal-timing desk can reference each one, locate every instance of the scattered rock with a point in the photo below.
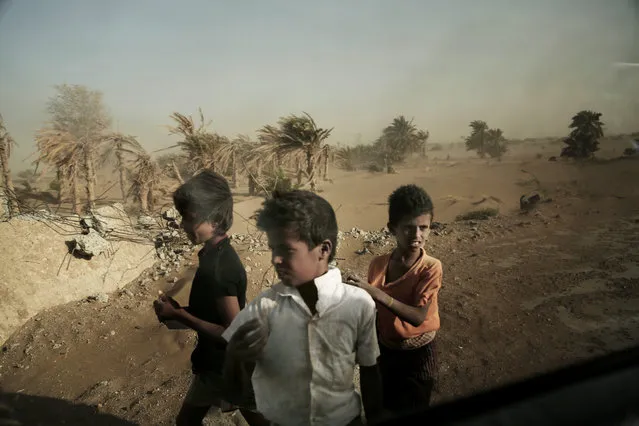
(100, 297)
(529, 202)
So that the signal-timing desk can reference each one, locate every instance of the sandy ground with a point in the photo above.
(523, 293)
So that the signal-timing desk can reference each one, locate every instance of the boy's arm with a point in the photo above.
(367, 354)
(414, 315)
(222, 294)
(228, 306)
(236, 372)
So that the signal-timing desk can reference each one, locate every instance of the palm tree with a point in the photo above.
(198, 144)
(6, 143)
(79, 114)
(583, 140)
(329, 155)
(122, 147)
(60, 149)
(229, 155)
(420, 141)
(400, 137)
(297, 135)
(477, 138)
(144, 175)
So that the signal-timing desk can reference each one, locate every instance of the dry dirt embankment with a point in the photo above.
(38, 272)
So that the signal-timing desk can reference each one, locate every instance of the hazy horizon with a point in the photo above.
(525, 67)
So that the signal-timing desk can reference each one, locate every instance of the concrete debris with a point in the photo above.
(147, 222)
(89, 244)
(111, 219)
(171, 215)
(173, 249)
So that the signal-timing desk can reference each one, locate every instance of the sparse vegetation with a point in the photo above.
(481, 214)
(583, 140)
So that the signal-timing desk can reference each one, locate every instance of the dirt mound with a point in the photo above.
(38, 272)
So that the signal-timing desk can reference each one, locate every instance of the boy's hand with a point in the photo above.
(166, 308)
(353, 279)
(248, 342)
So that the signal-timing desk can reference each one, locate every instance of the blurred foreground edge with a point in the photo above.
(604, 391)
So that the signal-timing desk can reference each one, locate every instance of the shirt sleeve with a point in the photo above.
(367, 346)
(377, 270)
(257, 308)
(430, 284)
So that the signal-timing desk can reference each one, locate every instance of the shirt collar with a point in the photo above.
(330, 290)
(210, 246)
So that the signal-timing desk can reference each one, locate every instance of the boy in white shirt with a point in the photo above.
(302, 337)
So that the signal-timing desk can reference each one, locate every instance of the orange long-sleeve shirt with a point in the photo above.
(416, 287)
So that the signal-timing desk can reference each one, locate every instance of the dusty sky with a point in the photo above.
(524, 66)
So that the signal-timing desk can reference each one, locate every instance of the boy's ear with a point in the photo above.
(326, 247)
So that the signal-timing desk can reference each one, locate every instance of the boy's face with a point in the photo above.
(198, 231)
(294, 261)
(412, 232)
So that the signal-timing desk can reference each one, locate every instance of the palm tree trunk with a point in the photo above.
(325, 171)
(251, 184)
(310, 169)
(178, 175)
(9, 189)
(75, 193)
(144, 198)
(122, 173)
(300, 171)
(60, 178)
(233, 170)
(151, 201)
(90, 177)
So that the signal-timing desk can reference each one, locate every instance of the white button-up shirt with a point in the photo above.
(305, 375)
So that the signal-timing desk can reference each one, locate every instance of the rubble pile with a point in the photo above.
(253, 243)
(171, 245)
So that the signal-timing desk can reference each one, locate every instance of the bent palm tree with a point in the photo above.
(61, 150)
(144, 174)
(228, 156)
(198, 144)
(123, 148)
(297, 135)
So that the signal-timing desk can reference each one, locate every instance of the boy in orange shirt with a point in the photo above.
(405, 284)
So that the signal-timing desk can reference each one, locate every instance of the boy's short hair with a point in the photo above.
(208, 196)
(304, 212)
(408, 201)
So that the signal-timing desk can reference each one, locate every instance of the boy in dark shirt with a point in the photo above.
(217, 295)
